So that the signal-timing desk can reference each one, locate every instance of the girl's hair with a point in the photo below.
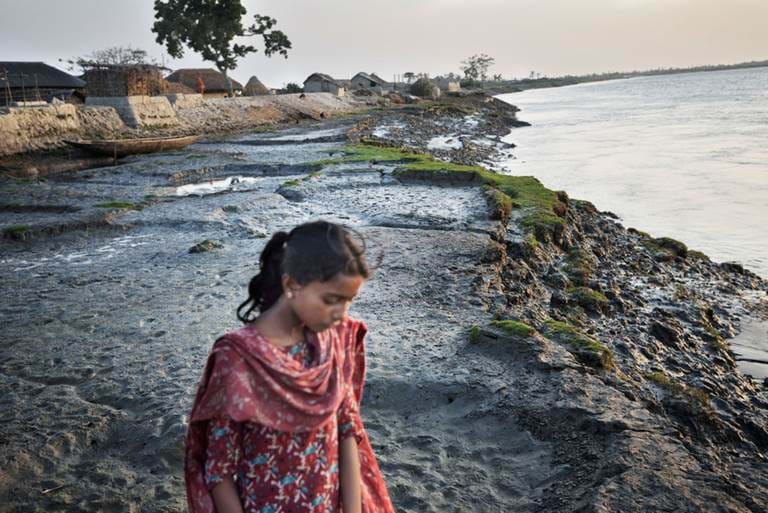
(315, 251)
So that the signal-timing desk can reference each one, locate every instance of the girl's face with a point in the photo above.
(322, 304)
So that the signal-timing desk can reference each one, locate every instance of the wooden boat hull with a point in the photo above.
(118, 148)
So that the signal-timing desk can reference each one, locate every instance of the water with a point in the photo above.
(683, 156)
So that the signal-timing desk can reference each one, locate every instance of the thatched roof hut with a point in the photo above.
(213, 82)
(254, 87)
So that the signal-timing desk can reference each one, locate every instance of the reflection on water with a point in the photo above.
(683, 156)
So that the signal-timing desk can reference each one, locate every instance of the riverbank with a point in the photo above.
(45, 128)
(554, 361)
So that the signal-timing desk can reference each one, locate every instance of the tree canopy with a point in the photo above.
(209, 27)
(112, 56)
(476, 67)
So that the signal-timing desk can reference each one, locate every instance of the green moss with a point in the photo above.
(563, 332)
(590, 300)
(516, 328)
(677, 388)
(119, 204)
(291, 183)
(16, 229)
(474, 334)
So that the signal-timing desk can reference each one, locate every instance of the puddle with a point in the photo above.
(751, 349)
(231, 183)
(445, 142)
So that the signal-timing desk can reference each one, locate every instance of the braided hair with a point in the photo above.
(314, 251)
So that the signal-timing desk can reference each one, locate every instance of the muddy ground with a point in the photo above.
(108, 319)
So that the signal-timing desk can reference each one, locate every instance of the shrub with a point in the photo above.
(422, 87)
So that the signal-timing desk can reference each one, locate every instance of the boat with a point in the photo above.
(117, 148)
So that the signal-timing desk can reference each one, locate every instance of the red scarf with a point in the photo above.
(263, 384)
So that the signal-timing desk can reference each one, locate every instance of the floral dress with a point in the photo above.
(278, 471)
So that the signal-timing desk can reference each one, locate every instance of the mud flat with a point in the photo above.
(552, 359)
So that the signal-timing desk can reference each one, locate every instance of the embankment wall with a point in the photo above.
(46, 127)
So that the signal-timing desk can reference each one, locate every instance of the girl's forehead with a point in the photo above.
(342, 284)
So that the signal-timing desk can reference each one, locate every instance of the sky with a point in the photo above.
(388, 37)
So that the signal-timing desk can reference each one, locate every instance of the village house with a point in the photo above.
(111, 80)
(209, 82)
(371, 82)
(321, 83)
(446, 84)
(38, 82)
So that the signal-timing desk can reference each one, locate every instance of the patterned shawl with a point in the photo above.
(257, 382)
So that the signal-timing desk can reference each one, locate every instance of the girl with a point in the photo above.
(275, 426)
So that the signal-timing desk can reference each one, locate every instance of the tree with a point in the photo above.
(293, 87)
(476, 67)
(497, 77)
(112, 56)
(209, 28)
(409, 76)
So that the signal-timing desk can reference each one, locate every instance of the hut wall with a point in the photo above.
(124, 82)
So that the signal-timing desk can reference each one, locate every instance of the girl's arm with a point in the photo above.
(226, 498)
(349, 474)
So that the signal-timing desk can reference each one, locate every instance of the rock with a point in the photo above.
(290, 193)
(206, 245)
(667, 333)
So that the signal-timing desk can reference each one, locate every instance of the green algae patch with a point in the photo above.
(590, 300)
(678, 388)
(291, 183)
(119, 205)
(588, 350)
(516, 328)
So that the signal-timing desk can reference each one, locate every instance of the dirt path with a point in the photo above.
(105, 335)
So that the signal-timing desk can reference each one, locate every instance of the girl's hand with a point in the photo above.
(226, 498)
(349, 474)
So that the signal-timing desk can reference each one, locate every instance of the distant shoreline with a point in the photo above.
(516, 86)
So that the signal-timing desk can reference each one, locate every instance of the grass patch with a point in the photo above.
(698, 255)
(579, 267)
(590, 350)
(590, 300)
(516, 328)
(119, 204)
(540, 205)
(474, 334)
(666, 246)
(677, 388)
(16, 229)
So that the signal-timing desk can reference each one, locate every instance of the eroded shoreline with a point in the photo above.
(554, 361)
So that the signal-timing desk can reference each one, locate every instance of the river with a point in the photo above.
(683, 156)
